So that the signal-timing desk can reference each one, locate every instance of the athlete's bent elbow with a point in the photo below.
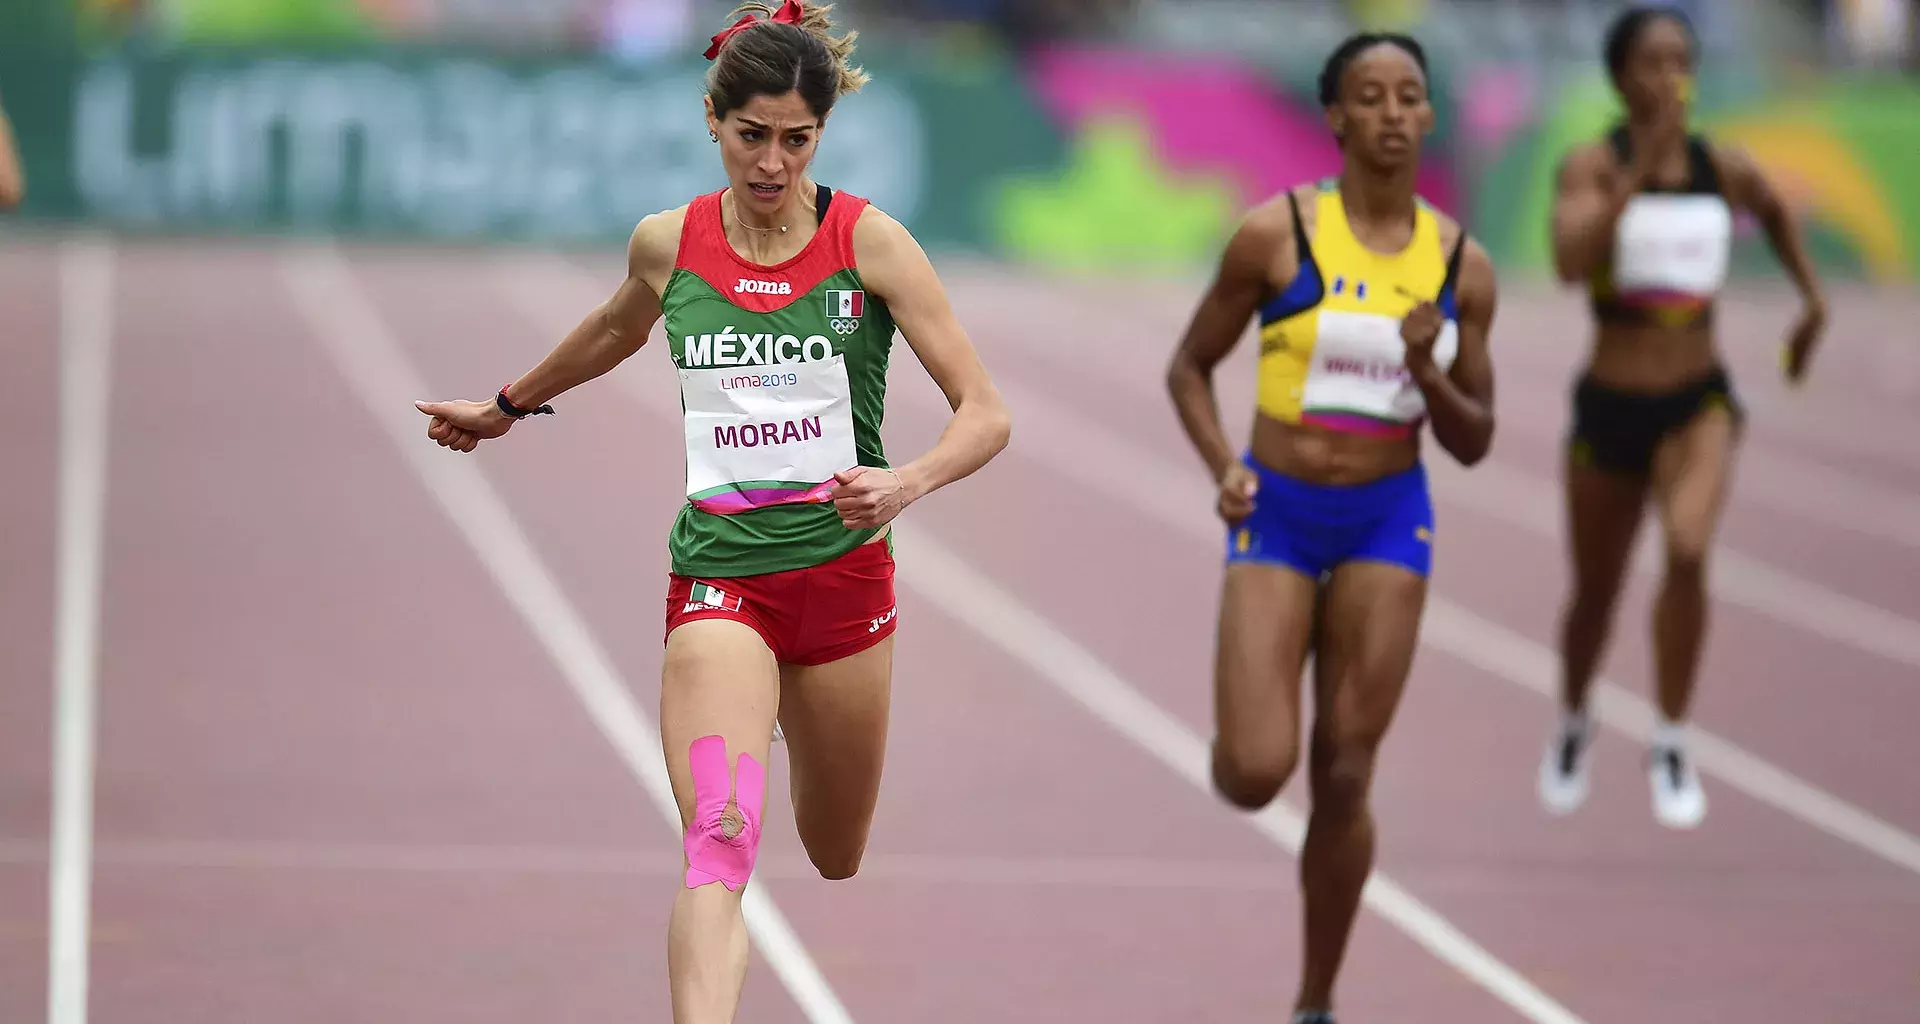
(1470, 451)
(1176, 375)
(1000, 432)
(997, 423)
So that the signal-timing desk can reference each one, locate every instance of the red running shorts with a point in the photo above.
(807, 616)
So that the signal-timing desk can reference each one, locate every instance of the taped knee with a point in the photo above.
(724, 837)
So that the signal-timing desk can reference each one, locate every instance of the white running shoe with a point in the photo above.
(1564, 766)
(1678, 800)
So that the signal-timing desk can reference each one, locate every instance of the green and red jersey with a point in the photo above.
(783, 373)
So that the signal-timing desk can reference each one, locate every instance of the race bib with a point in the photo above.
(1672, 243)
(1359, 366)
(766, 435)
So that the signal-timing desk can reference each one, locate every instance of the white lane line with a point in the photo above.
(1025, 634)
(1515, 497)
(1096, 458)
(353, 332)
(1180, 873)
(1022, 632)
(86, 371)
(1099, 459)
(1512, 496)
(1501, 652)
(1766, 477)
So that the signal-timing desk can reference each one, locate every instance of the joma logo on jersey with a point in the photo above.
(730, 349)
(748, 286)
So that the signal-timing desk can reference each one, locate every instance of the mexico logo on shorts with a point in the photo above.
(845, 308)
(706, 595)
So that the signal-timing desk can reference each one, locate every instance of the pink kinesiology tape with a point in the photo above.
(713, 856)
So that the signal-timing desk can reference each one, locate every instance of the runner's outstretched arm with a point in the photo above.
(614, 330)
(896, 270)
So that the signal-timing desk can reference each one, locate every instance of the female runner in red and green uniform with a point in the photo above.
(780, 299)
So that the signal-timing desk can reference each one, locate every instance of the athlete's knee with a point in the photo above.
(1341, 780)
(1341, 773)
(1594, 596)
(1250, 779)
(835, 852)
(723, 840)
(1687, 557)
(837, 863)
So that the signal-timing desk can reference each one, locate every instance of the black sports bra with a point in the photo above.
(1670, 250)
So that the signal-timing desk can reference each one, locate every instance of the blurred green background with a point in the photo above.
(1086, 136)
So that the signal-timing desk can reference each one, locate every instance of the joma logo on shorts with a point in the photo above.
(874, 626)
(748, 285)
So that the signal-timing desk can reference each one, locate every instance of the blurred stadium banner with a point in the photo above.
(1084, 156)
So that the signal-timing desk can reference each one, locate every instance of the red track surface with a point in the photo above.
(340, 779)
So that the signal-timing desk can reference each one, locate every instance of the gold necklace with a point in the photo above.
(808, 204)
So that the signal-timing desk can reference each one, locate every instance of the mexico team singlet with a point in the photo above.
(783, 374)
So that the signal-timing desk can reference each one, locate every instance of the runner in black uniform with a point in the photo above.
(1644, 217)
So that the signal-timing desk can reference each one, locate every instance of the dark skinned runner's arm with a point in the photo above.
(1460, 401)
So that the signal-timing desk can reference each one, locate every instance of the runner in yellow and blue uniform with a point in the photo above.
(1374, 310)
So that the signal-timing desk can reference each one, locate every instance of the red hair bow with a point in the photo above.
(790, 13)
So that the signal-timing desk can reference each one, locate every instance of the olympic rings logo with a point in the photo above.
(844, 327)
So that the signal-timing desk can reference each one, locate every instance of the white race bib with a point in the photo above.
(1359, 365)
(766, 435)
(1672, 243)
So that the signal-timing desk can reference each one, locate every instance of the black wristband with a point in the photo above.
(515, 412)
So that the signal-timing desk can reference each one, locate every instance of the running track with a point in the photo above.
(361, 760)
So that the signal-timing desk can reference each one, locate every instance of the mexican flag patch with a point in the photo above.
(713, 597)
(846, 304)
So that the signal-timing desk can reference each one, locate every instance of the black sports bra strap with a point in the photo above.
(1622, 144)
(825, 196)
(1304, 248)
(1453, 261)
(1702, 175)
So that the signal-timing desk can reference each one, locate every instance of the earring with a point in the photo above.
(713, 135)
